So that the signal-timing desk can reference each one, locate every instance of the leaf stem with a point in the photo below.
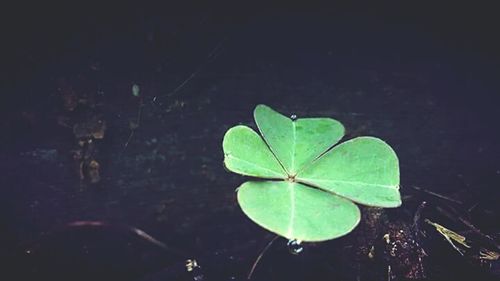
(260, 256)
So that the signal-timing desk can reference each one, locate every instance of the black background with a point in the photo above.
(424, 76)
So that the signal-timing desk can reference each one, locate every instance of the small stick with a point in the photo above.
(478, 232)
(450, 236)
(358, 270)
(472, 207)
(210, 58)
(140, 233)
(454, 215)
(260, 256)
(416, 218)
(437, 195)
(137, 121)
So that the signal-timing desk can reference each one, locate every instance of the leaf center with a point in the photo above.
(291, 178)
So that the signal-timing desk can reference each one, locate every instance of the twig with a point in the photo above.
(260, 256)
(478, 232)
(140, 233)
(450, 236)
(136, 125)
(454, 215)
(437, 195)
(358, 272)
(416, 218)
(210, 58)
(472, 207)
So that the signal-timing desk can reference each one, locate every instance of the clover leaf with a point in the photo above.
(311, 182)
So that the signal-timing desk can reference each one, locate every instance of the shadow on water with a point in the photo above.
(416, 84)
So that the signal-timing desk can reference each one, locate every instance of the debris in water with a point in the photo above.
(194, 268)
(136, 90)
(93, 171)
(450, 236)
(403, 253)
(92, 128)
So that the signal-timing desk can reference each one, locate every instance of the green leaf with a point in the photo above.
(296, 211)
(315, 200)
(364, 170)
(246, 153)
(296, 142)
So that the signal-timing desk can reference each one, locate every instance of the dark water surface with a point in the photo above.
(406, 75)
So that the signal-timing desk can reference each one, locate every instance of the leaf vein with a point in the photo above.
(254, 165)
(311, 181)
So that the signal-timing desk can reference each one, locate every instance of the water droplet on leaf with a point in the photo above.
(293, 117)
(294, 246)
